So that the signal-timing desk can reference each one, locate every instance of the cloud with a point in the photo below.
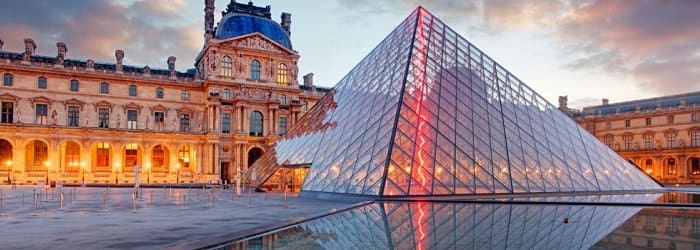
(148, 31)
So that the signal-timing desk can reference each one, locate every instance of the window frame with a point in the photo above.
(104, 88)
(185, 95)
(226, 123)
(103, 118)
(41, 83)
(255, 69)
(74, 85)
(133, 91)
(282, 125)
(7, 115)
(160, 92)
(8, 79)
(254, 121)
(73, 116)
(226, 66)
(132, 123)
(282, 74)
(41, 119)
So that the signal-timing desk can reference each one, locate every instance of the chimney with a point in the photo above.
(208, 20)
(29, 46)
(309, 79)
(287, 23)
(60, 54)
(563, 102)
(606, 101)
(171, 67)
(119, 54)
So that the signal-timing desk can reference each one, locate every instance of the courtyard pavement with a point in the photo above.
(110, 218)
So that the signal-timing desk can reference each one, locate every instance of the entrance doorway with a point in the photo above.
(289, 178)
(225, 172)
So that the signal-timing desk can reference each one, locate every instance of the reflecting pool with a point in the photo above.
(554, 224)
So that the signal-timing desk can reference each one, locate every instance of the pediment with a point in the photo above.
(9, 97)
(159, 108)
(256, 41)
(104, 104)
(40, 99)
(74, 102)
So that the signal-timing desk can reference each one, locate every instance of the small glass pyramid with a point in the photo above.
(427, 113)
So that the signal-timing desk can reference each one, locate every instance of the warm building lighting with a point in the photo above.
(648, 170)
(47, 163)
(391, 168)
(439, 170)
(8, 163)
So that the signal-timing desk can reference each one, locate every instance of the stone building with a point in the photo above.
(660, 135)
(78, 120)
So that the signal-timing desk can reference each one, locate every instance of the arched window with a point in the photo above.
(5, 153)
(282, 74)
(72, 157)
(648, 166)
(283, 99)
(37, 154)
(255, 70)
(131, 154)
(672, 166)
(7, 79)
(256, 123)
(184, 157)
(159, 158)
(102, 155)
(226, 66)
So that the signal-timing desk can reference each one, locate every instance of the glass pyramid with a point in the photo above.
(427, 113)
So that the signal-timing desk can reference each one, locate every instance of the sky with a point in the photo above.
(584, 49)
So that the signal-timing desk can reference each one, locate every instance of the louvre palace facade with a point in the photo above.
(77, 120)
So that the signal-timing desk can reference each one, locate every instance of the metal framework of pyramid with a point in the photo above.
(427, 113)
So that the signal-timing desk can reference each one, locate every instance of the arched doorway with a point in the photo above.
(648, 166)
(253, 155)
(6, 159)
(37, 156)
(694, 167)
(71, 157)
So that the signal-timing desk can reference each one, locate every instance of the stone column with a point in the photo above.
(271, 118)
(244, 157)
(239, 120)
(210, 118)
(246, 122)
(216, 158)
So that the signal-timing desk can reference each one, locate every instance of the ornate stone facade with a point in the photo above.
(660, 135)
(94, 122)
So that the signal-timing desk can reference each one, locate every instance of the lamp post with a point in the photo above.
(116, 175)
(82, 173)
(47, 164)
(9, 173)
(178, 173)
(148, 177)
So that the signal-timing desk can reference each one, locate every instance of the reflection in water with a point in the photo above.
(423, 225)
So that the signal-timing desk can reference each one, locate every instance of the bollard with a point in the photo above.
(109, 194)
(285, 198)
(265, 198)
(1, 201)
(104, 200)
(151, 202)
(34, 196)
(71, 197)
(22, 199)
(60, 202)
(133, 203)
(170, 192)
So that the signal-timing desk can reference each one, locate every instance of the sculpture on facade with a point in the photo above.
(119, 54)
(90, 64)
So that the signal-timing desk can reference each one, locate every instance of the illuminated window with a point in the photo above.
(158, 157)
(282, 78)
(131, 155)
(102, 154)
(648, 165)
(40, 153)
(255, 70)
(184, 156)
(226, 66)
(695, 166)
(72, 157)
(672, 169)
(256, 123)
(41, 82)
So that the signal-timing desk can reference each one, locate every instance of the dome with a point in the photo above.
(237, 24)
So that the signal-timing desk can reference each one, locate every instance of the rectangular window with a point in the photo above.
(132, 90)
(185, 95)
(131, 119)
(227, 94)
(648, 121)
(627, 123)
(694, 138)
(648, 142)
(41, 83)
(103, 118)
(608, 141)
(41, 112)
(283, 99)
(670, 119)
(226, 123)
(184, 122)
(102, 155)
(73, 116)
(74, 85)
(304, 106)
(104, 88)
(671, 140)
(7, 112)
(159, 93)
(628, 142)
(283, 125)
(159, 118)
(7, 79)
(694, 117)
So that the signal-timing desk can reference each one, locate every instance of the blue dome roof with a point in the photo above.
(236, 24)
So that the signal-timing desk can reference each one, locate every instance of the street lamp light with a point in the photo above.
(9, 173)
(116, 175)
(47, 164)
